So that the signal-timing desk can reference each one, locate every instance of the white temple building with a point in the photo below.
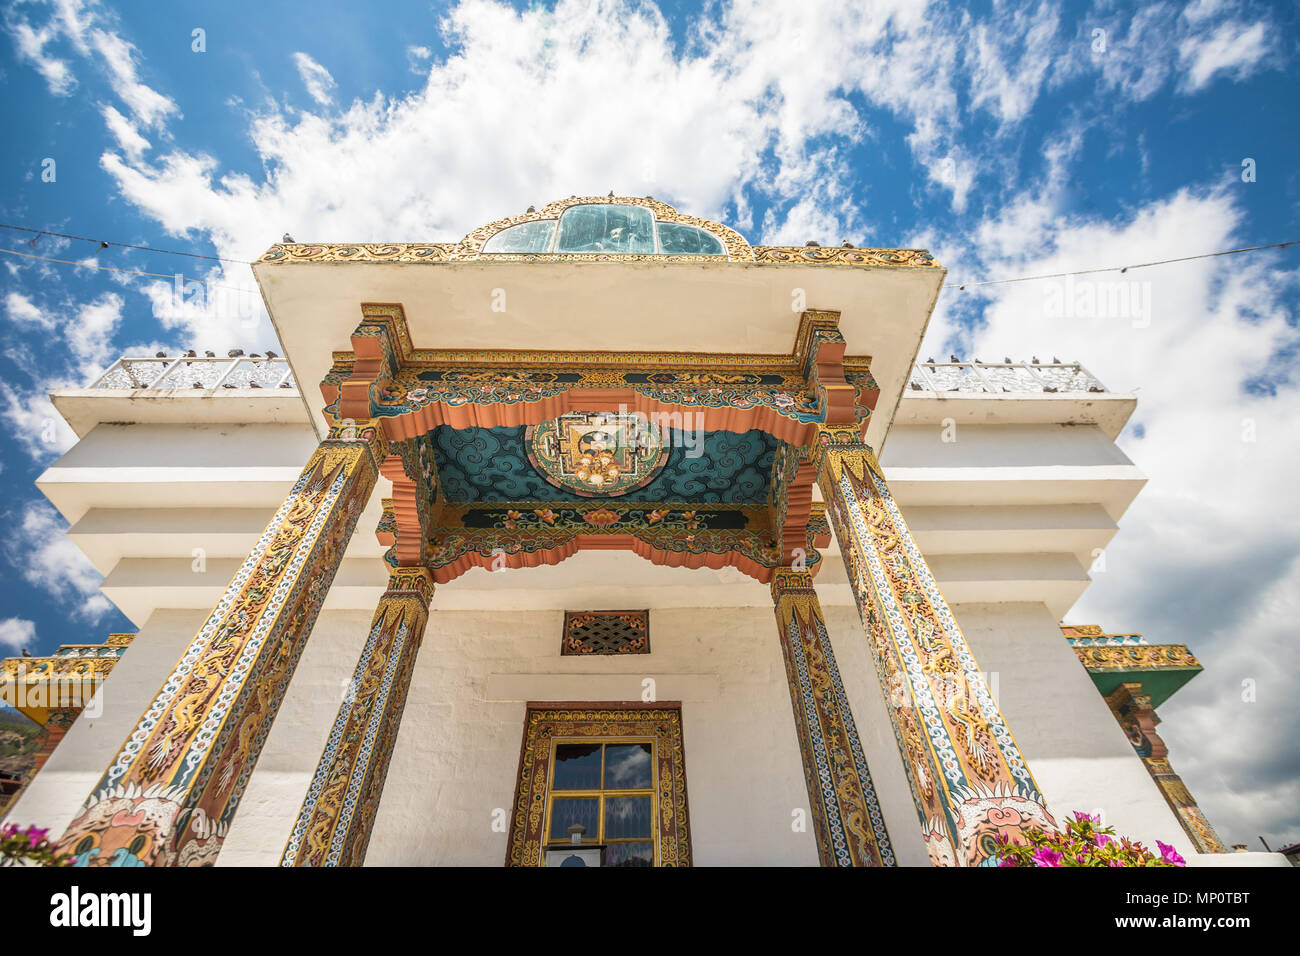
(619, 455)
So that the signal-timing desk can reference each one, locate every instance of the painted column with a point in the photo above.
(333, 827)
(1132, 708)
(969, 780)
(168, 797)
(847, 819)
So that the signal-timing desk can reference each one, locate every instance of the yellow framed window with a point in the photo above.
(617, 768)
(608, 787)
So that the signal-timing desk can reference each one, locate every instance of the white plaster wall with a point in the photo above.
(192, 445)
(1001, 446)
(457, 756)
(871, 716)
(1076, 750)
(276, 789)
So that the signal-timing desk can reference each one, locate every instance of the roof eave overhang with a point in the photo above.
(713, 307)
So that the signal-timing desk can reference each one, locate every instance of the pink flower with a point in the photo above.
(1170, 855)
(1101, 839)
(1086, 818)
(35, 836)
(1045, 857)
(1007, 861)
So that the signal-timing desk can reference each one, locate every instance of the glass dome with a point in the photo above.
(609, 228)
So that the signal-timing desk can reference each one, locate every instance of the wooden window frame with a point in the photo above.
(549, 723)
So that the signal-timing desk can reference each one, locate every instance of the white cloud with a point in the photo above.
(148, 105)
(315, 78)
(31, 43)
(17, 633)
(754, 89)
(89, 30)
(24, 311)
(90, 334)
(1231, 730)
(74, 19)
(34, 422)
(124, 131)
(1011, 64)
(48, 560)
(1233, 48)
(417, 57)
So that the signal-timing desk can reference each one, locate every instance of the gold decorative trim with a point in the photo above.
(467, 250)
(283, 252)
(1119, 657)
(855, 366)
(440, 253)
(844, 256)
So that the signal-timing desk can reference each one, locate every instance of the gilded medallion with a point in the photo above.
(596, 454)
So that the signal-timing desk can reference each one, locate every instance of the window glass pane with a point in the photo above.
(525, 237)
(577, 767)
(678, 240)
(630, 854)
(627, 767)
(612, 228)
(627, 817)
(566, 811)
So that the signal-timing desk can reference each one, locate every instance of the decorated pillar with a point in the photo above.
(333, 827)
(847, 819)
(168, 796)
(969, 780)
(1132, 708)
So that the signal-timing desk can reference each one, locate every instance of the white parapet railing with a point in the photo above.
(1002, 377)
(209, 373)
(188, 372)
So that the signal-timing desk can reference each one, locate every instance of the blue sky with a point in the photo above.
(1009, 139)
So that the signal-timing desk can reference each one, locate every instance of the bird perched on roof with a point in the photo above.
(287, 238)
